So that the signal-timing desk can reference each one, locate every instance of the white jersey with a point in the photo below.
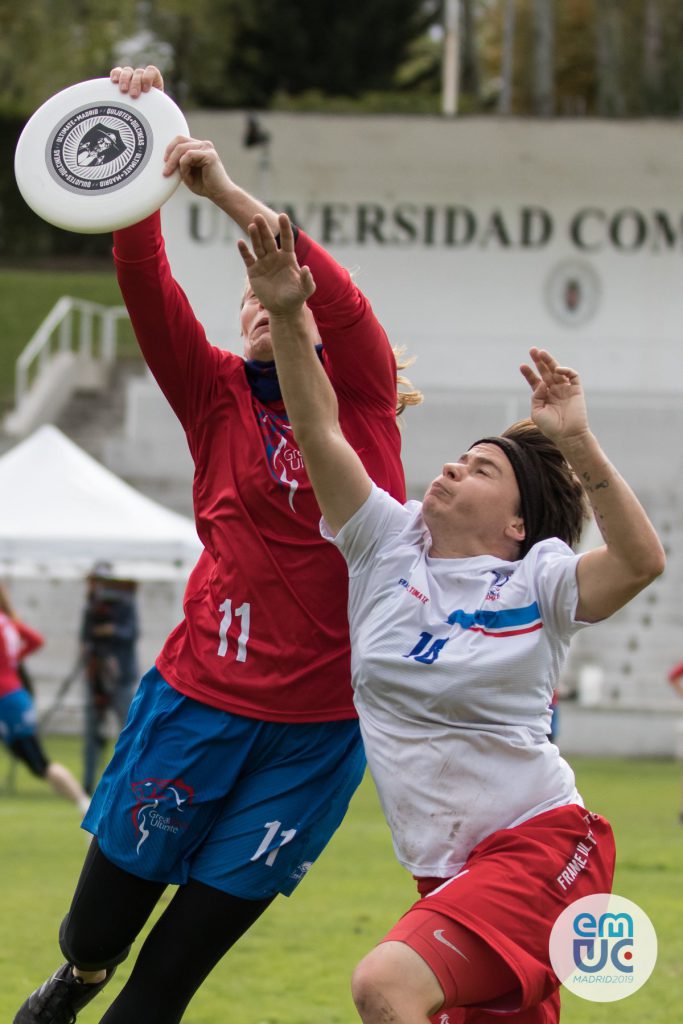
(454, 661)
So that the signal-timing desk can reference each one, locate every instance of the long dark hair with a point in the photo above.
(563, 508)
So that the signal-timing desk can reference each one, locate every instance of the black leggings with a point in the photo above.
(29, 750)
(198, 927)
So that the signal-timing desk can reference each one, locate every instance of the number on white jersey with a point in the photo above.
(424, 654)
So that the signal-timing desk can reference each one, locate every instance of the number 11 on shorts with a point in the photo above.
(271, 831)
(244, 614)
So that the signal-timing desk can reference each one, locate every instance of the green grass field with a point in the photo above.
(27, 296)
(294, 966)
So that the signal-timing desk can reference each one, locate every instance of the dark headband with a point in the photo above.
(530, 480)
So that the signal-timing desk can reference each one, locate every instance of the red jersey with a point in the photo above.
(265, 632)
(16, 642)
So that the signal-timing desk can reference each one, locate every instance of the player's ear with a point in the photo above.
(515, 529)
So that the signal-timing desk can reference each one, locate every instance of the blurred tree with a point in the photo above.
(575, 81)
(507, 57)
(544, 57)
(610, 52)
(652, 48)
(653, 62)
(614, 58)
(46, 45)
(190, 42)
(470, 80)
(339, 49)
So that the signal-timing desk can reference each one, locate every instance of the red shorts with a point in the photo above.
(511, 890)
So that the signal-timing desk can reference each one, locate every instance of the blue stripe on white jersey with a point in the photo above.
(507, 622)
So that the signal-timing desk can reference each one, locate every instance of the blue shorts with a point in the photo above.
(17, 716)
(242, 805)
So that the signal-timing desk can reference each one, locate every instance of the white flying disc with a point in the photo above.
(91, 159)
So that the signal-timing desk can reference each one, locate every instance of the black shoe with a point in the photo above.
(59, 999)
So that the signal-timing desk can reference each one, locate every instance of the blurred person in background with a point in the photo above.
(675, 677)
(17, 711)
(109, 633)
(242, 748)
(461, 610)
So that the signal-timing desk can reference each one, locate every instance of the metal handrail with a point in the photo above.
(57, 333)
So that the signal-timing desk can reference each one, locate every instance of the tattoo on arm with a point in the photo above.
(600, 486)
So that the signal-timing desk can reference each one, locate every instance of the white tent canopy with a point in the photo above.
(60, 506)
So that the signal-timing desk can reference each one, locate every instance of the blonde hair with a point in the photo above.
(406, 393)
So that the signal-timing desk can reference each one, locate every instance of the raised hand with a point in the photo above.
(558, 407)
(279, 283)
(199, 165)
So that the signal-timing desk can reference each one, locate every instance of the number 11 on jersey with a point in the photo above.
(243, 613)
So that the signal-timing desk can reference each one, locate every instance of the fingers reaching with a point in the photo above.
(261, 237)
(532, 379)
(176, 150)
(279, 283)
(246, 253)
(544, 362)
(558, 407)
(307, 282)
(135, 81)
(286, 233)
(548, 370)
(186, 155)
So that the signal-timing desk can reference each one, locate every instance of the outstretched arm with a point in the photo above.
(197, 160)
(338, 476)
(632, 555)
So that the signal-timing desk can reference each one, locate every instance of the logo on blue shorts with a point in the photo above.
(160, 802)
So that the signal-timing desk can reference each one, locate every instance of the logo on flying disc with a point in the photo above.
(98, 149)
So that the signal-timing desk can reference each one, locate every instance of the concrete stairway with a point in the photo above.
(91, 417)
